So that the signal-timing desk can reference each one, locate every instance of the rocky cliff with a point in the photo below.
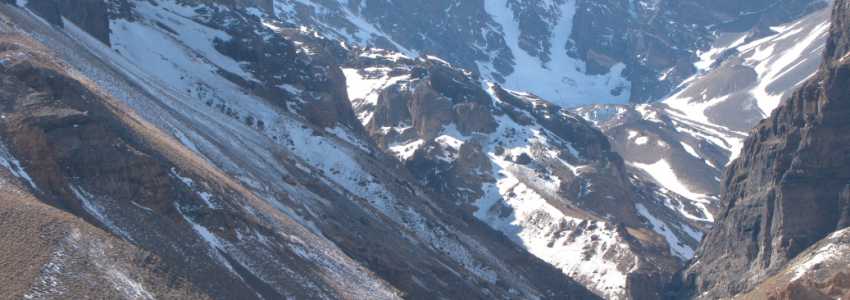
(788, 190)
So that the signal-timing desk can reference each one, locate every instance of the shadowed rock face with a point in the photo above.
(90, 15)
(788, 189)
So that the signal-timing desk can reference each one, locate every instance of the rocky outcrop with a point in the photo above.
(92, 16)
(676, 156)
(786, 191)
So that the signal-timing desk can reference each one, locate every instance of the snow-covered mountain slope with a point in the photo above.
(570, 52)
(534, 171)
(224, 144)
(685, 142)
(284, 114)
(745, 76)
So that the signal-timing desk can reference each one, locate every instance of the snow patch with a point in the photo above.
(206, 197)
(663, 173)
(129, 287)
(772, 63)
(48, 284)
(561, 80)
(678, 248)
(690, 149)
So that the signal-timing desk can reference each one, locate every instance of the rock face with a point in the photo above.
(788, 189)
(576, 51)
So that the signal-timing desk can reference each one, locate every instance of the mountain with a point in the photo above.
(260, 132)
(224, 160)
(536, 172)
(786, 193)
(570, 52)
(684, 142)
(389, 149)
(678, 148)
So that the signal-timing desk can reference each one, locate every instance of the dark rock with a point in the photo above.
(523, 159)
(47, 9)
(90, 15)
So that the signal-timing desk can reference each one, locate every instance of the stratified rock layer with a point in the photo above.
(788, 189)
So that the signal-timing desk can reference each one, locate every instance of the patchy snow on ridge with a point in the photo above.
(128, 286)
(517, 204)
(773, 63)
(49, 283)
(730, 94)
